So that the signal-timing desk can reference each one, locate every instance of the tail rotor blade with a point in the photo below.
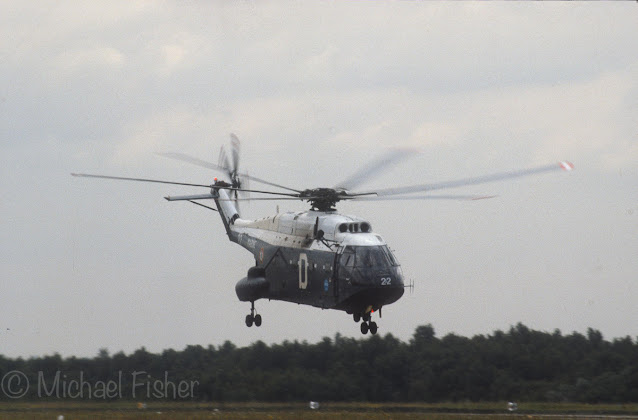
(223, 161)
(236, 201)
(246, 186)
(234, 144)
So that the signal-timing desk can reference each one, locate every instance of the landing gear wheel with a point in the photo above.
(252, 318)
(356, 317)
(366, 317)
(364, 328)
(373, 328)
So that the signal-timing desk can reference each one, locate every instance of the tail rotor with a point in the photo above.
(231, 166)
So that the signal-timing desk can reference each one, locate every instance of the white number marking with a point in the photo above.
(303, 271)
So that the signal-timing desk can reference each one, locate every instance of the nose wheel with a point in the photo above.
(366, 324)
(253, 318)
(369, 326)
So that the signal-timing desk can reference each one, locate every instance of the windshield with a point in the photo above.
(367, 256)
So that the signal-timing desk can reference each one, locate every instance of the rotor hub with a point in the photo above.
(322, 199)
(235, 181)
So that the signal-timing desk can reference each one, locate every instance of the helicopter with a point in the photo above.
(317, 257)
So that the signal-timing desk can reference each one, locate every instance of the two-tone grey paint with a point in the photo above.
(323, 259)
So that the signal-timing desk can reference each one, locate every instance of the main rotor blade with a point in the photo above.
(195, 161)
(475, 181)
(265, 198)
(121, 178)
(212, 197)
(259, 191)
(425, 197)
(374, 168)
(203, 205)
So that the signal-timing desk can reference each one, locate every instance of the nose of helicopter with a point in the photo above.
(375, 297)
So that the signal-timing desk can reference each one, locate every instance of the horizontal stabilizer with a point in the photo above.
(190, 197)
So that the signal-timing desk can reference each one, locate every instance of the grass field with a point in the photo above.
(363, 411)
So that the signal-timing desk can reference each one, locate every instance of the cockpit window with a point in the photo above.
(370, 256)
(347, 259)
(389, 255)
(367, 256)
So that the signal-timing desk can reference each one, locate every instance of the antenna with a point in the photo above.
(410, 286)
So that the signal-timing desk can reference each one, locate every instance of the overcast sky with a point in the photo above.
(314, 90)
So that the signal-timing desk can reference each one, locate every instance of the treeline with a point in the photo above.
(520, 364)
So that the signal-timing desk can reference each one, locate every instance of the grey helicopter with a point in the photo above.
(317, 257)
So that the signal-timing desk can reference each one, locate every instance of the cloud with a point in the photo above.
(538, 123)
(313, 91)
(170, 130)
(83, 60)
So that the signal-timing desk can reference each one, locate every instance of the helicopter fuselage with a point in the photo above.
(319, 258)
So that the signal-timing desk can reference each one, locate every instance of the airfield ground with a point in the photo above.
(363, 411)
